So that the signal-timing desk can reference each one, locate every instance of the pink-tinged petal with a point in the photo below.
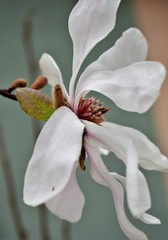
(133, 88)
(101, 175)
(111, 137)
(149, 155)
(89, 23)
(131, 47)
(56, 152)
(68, 204)
(51, 71)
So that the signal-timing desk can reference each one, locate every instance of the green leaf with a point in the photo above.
(35, 103)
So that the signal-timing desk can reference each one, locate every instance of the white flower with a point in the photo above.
(132, 84)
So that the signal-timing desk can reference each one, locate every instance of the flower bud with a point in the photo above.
(18, 83)
(39, 83)
(58, 97)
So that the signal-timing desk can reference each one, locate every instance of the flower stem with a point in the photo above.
(33, 71)
(66, 230)
(11, 190)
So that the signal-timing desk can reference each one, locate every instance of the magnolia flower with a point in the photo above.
(77, 130)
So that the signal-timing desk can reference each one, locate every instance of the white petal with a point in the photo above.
(149, 155)
(104, 151)
(146, 218)
(130, 48)
(132, 88)
(119, 178)
(89, 23)
(138, 195)
(56, 152)
(51, 71)
(102, 176)
(111, 137)
(68, 204)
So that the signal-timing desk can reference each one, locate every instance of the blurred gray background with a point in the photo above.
(50, 34)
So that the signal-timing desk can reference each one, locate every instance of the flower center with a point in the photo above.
(91, 110)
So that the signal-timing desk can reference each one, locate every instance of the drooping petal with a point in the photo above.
(133, 88)
(131, 47)
(147, 218)
(101, 175)
(56, 152)
(51, 71)
(149, 155)
(69, 203)
(111, 137)
(89, 23)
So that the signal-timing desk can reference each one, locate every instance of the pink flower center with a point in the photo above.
(91, 110)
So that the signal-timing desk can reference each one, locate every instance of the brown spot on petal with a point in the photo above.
(53, 189)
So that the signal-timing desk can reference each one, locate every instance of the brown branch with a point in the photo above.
(7, 93)
(27, 34)
(11, 190)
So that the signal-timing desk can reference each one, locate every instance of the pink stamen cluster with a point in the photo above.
(92, 110)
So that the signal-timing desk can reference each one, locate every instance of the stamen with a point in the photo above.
(87, 114)
(92, 110)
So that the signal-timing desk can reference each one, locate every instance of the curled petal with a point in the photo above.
(133, 88)
(146, 218)
(149, 219)
(101, 175)
(149, 154)
(131, 47)
(56, 152)
(69, 203)
(51, 71)
(112, 137)
(89, 23)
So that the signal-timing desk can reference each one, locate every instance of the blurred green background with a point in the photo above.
(50, 34)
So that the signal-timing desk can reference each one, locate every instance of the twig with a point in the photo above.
(27, 30)
(11, 190)
(6, 93)
(27, 34)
